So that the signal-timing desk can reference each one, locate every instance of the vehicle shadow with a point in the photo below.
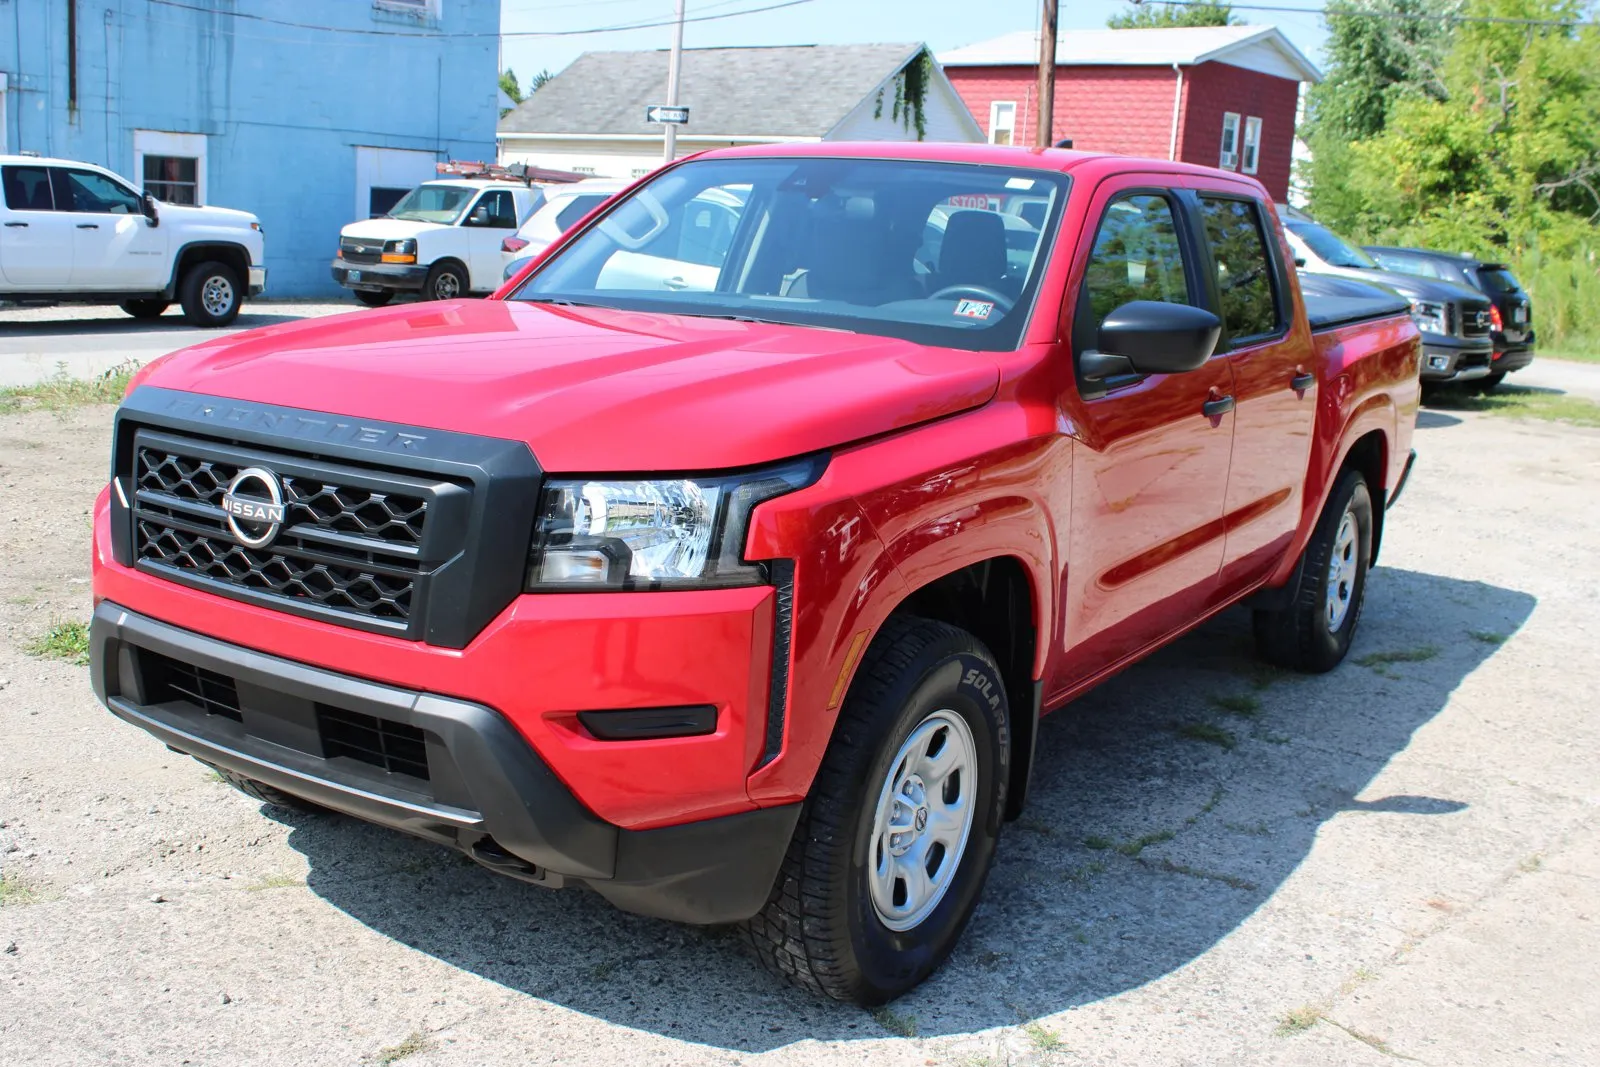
(1143, 845)
(116, 322)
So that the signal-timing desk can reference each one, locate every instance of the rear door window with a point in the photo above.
(1497, 281)
(1246, 281)
(27, 188)
(580, 206)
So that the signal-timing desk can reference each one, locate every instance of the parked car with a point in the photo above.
(441, 240)
(736, 604)
(1510, 310)
(1455, 321)
(563, 207)
(73, 232)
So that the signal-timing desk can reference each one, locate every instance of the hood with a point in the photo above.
(1414, 286)
(389, 229)
(593, 390)
(227, 216)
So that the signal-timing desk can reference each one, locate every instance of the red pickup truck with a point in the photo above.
(725, 560)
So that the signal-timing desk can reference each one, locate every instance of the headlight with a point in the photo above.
(403, 251)
(1430, 318)
(653, 534)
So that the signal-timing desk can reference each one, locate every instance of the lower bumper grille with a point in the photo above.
(393, 746)
(167, 680)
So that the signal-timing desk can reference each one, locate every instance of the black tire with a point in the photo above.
(210, 294)
(1303, 636)
(1485, 386)
(820, 927)
(374, 299)
(446, 281)
(146, 309)
(266, 794)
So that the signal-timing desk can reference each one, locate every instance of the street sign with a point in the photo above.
(669, 114)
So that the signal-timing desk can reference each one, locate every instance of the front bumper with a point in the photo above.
(484, 789)
(1512, 358)
(379, 277)
(258, 280)
(1442, 363)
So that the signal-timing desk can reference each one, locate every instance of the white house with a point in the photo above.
(590, 118)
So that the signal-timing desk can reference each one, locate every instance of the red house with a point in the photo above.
(1222, 96)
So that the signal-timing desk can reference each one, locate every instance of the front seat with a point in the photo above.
(973, 252)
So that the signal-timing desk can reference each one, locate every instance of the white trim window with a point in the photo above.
(172, 166)
(1252, 145)
(1230, 141)
(1003, 122)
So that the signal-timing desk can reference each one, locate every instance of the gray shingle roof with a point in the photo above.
(798, 91)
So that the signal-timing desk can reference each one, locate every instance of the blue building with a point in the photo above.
(310, 115)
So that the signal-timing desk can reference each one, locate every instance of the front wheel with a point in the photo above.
(445, 281)
(1314, 633)
(897, 837)
(1486, 385)
(210, 294)
(374, 298)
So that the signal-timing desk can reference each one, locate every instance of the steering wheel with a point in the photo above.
(981, 292)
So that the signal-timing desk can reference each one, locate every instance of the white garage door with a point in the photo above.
(384, 175)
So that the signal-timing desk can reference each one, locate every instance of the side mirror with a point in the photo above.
(1151, 337)
(479, 216)
(148, 205)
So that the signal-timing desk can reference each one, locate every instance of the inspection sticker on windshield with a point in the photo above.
(974, 309)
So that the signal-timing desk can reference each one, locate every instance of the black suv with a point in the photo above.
(1511, 314)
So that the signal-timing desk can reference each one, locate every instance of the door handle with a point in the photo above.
(1302, 381)
(24, 224)
(674, 283)
(1217, 407)
(88, 225)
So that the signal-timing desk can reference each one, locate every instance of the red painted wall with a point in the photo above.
(1128, 110)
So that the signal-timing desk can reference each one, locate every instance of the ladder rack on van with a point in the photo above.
(515, 172)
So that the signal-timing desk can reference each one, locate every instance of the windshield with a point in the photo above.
(433, 203)
(917, 250)
(1329, 247)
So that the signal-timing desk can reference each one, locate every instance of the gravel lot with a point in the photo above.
(1400, 859)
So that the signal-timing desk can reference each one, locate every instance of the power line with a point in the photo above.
(430, 35)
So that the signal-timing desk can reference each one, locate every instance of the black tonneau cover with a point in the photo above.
(1332, 302)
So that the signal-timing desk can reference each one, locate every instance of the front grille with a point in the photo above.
(354, 545)
(354, 250)
(168, 680)
(392, 746)
(1475, 321)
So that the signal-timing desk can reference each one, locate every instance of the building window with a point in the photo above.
(583, 170)
(173, 179)
(1252, 145)
(381, 200)
(640, 172)
(1230, 142)
(1002, 122)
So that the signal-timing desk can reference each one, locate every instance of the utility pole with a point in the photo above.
(674, 66)
(1047, 75)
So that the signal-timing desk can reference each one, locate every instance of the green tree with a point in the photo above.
(509, 86)
(1146, 16)
(538, 81)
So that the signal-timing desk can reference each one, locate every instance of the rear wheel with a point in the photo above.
(897, 838)
(446, 281)
(374, 299)
(145, 309)
(1314, 633)
(266, 794)
(1487, 385)
(210, 294)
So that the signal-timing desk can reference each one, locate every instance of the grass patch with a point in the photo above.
(1081, 875)
(1420, 654)
(1096, 841)
(601, 971)
(64, 640)
(1229, 880)
(1139, 844)
(1523, 404)
(1210, 734)
(414, 1042)
(1043, 1040)
(1242, 704)
(14, 892)
(59, 392)
(274, 881)
(1298, 1020)
(894, 1022)
(1588, 354)
(1488, 637)
(1255, 829)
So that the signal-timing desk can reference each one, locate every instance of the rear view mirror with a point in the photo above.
(1299, 262)
(148, 206)
(1151, 337)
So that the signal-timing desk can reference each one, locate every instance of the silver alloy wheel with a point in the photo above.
(216, 296)
(446, 286)
(1342, 572)
(922, 821)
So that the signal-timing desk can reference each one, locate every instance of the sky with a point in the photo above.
(943, 24)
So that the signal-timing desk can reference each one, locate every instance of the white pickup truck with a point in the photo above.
(76, 233)
(442, 240)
